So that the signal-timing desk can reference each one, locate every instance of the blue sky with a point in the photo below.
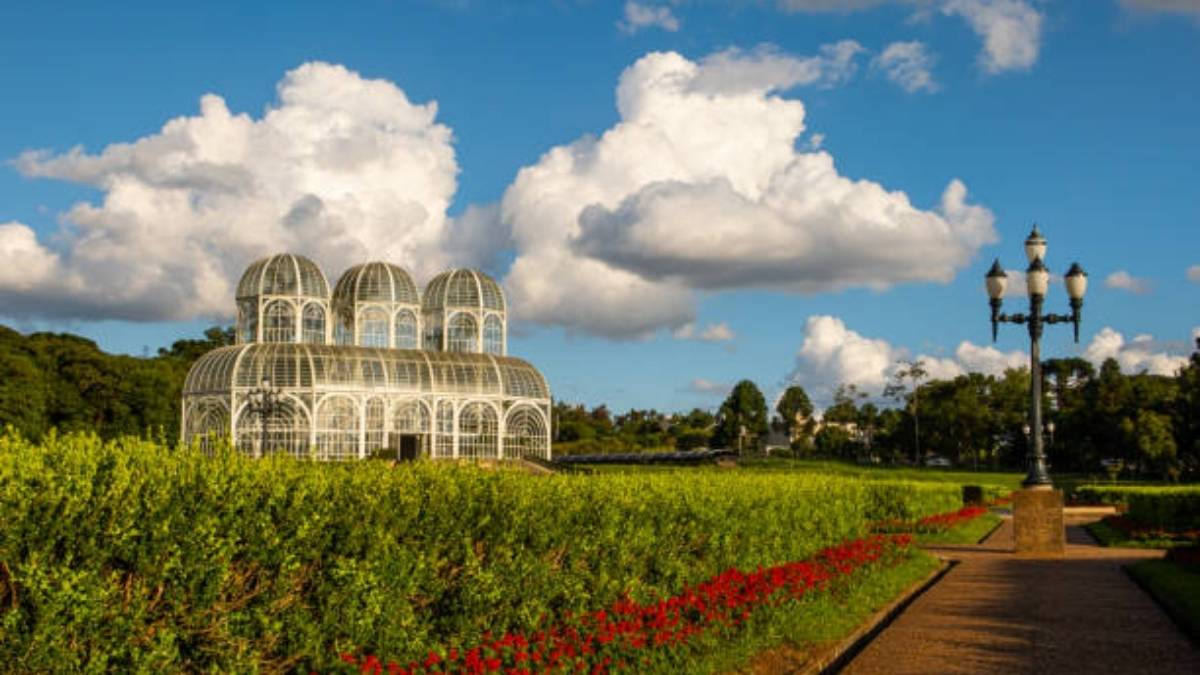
(763, 238)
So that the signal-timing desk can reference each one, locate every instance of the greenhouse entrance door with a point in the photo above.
(408, 446)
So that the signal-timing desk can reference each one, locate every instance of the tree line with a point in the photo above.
(1097, 419)
(67, 383)
(1144, 424)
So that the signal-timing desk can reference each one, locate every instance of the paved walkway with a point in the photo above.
(997, 613)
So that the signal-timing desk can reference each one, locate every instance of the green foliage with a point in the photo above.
(794, 413)
(126, 556)
(744, 411)
(579, 431)
(64, 382)
(1176, 587)
(1165, 507)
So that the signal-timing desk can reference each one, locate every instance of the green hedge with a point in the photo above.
(127, 556)
(1174, 508)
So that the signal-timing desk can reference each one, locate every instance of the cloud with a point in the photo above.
(700, 186)
(713, 332)
(1143, 353)
(640, 16)
(1011, 31)
(766, 69)
(1125, 281)
(832, 354)
(341, 168)
(1193, 274)
(1163, 7)
(705, 387)
(908, 64)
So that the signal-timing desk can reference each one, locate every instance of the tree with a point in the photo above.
(913, 371)
(745, 410)
(1187, 412)
(795, 412)
(1151, 434)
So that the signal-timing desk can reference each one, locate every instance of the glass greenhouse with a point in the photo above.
(374, 367)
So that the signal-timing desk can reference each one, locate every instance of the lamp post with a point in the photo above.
(1037, 280)
(264, 401)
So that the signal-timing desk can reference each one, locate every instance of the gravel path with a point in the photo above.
(998, 613)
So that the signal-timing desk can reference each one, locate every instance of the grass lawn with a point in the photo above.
(1012, 481)
(794, 634)
(969, 532)
(1174, 586)
(1009, 481)
(1111, 536)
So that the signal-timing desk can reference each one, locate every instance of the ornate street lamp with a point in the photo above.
(1037, 280)
(264, 402)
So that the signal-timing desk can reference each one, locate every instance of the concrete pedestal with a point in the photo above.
(1038, 527)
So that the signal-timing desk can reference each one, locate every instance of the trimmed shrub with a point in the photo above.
(128, 556)
(1171, 508)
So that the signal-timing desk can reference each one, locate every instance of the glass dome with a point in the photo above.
(375, 282)
(463, 289)
(285, 274)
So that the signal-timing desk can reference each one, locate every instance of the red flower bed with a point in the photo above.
(939, 522)
(627, 632)
(944, 521)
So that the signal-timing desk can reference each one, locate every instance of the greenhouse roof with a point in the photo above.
(327, 367)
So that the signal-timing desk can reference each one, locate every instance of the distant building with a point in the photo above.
(374, 366)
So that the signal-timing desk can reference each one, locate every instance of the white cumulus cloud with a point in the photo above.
(1124, 281)
(639, 16)
(833, 354)
(700, 185)
(1142, 353)
(1011, 31)
(341, 168)
(908, 64)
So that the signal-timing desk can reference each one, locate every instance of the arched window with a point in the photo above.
(462, 335)
(525, 433)
(314, 324)
(478, 431)
(493, 335)
(406, 330)
(337, 429)
(248, 321)
(373, 328)
(286, 433)
(279, 322)
(375, 429)
(445, 430)
(207, 423)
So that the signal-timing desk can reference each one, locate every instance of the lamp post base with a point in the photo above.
(1038, 527)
